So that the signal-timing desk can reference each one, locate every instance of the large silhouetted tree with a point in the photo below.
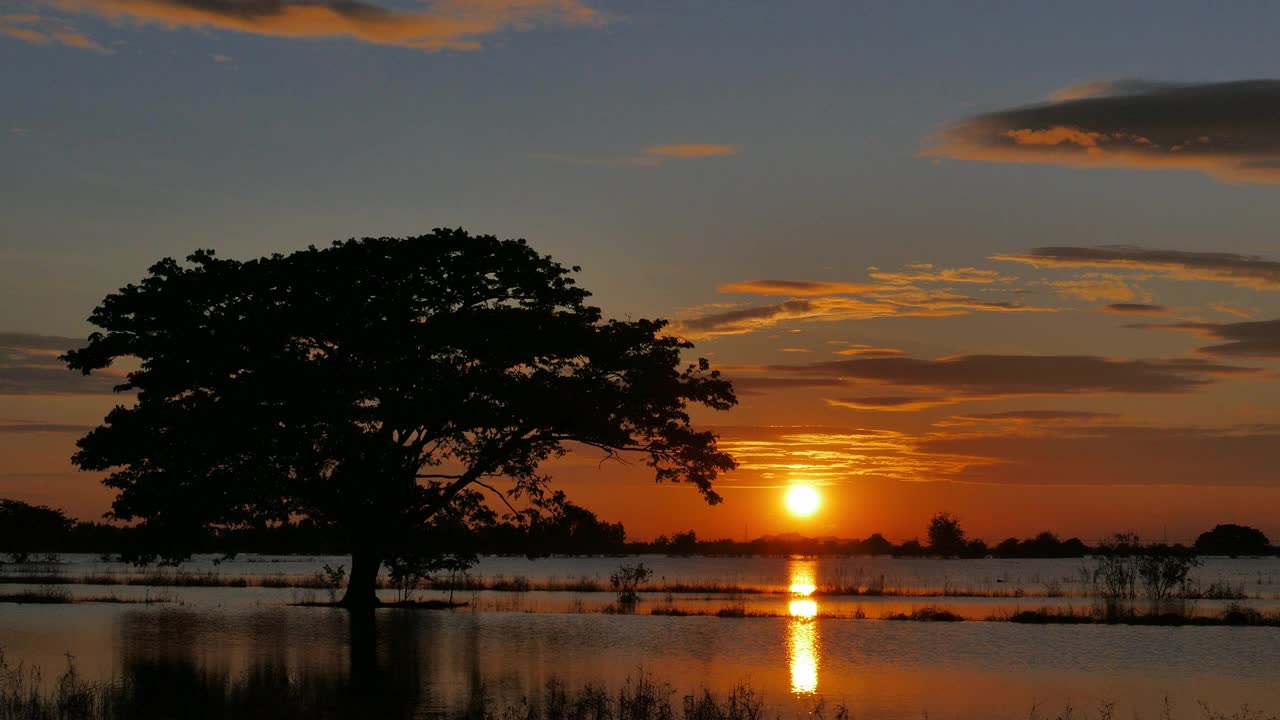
(371, 385)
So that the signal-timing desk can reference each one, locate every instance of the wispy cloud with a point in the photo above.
(796, 288)
(1134, 309)
(29, 365)
(443, 24)
(652, 156)
(965, 378)
(1255, 338)
(28, 427)
(917, 291)
(1225, 129)
(43, 30)
(1032, 417)
(1099, 287)
(1240, 270)
(1078, 454)
(689, 150)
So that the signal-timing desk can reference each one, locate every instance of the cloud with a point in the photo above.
(801, 288)
(1116, 455)
(1229, 309)
(1134, 309)
(862, 350)
(1131, 86)
(1098, 287)
(1226, 129)
(753, 385)
(1239, 270)
(928, 273)
(444, 24)
(41, 30)
(751, 319)
(898, 294)
(690, 150)
(652, 156)
(890, 403)
(1084, 451)
(1035, 417)
(29, 365)
(1254, 338)
(991, 376)
(29, 427)
(832, 455)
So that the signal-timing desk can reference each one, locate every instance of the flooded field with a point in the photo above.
(506, 645)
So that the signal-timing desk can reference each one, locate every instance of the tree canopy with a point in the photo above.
(373, 384)
(946, 537)
(26, 529)
(1233, 540)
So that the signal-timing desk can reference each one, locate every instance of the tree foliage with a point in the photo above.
(26, 529)
(946, 537)
(374, 383)
(1233, 540)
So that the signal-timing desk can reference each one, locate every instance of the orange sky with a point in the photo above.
(977, 271)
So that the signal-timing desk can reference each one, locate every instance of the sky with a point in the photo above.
(1009, 260)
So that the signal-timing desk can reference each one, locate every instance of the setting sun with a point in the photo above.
(802, 500)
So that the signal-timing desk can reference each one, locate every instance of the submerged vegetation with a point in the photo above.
(168, 688)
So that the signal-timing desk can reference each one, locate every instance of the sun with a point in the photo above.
(802, 500)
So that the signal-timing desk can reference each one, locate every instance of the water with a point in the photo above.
(437, 661)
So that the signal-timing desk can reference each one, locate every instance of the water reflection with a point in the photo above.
(802, 627)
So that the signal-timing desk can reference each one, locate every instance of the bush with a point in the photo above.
(626, 581)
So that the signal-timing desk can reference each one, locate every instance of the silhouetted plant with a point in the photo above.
(332, 578)
(1233, 540)
(371, 385)
(946, 537)
(26, 529)
(1165, 570)
(626, 581)
(1115, 566)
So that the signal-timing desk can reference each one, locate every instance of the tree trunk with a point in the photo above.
(362, 584)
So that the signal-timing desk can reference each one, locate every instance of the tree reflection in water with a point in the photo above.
(802, 630)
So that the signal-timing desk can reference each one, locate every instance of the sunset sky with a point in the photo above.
(1014, 260)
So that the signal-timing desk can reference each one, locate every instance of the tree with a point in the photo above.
(946, 537)
(371, 384)
(26, 529)
(1233, 540)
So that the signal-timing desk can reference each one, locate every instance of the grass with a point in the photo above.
(873, 587)
(1233, 614)
(181, 689)
(926, 614)
(59, 596)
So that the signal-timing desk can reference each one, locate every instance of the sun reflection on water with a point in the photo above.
(802, 632)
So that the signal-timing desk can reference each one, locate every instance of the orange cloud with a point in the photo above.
(1099, 287)
(444, 24)
(796, 287)
(927, 273)
(40, 30)
(890, 403)
(860, 350)
(652, 156)
(833, 455)
(1226, 130)
(690, 150)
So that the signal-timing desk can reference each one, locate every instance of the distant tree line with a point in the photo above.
(28, 531)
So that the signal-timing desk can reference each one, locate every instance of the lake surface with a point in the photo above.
(435, 662)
